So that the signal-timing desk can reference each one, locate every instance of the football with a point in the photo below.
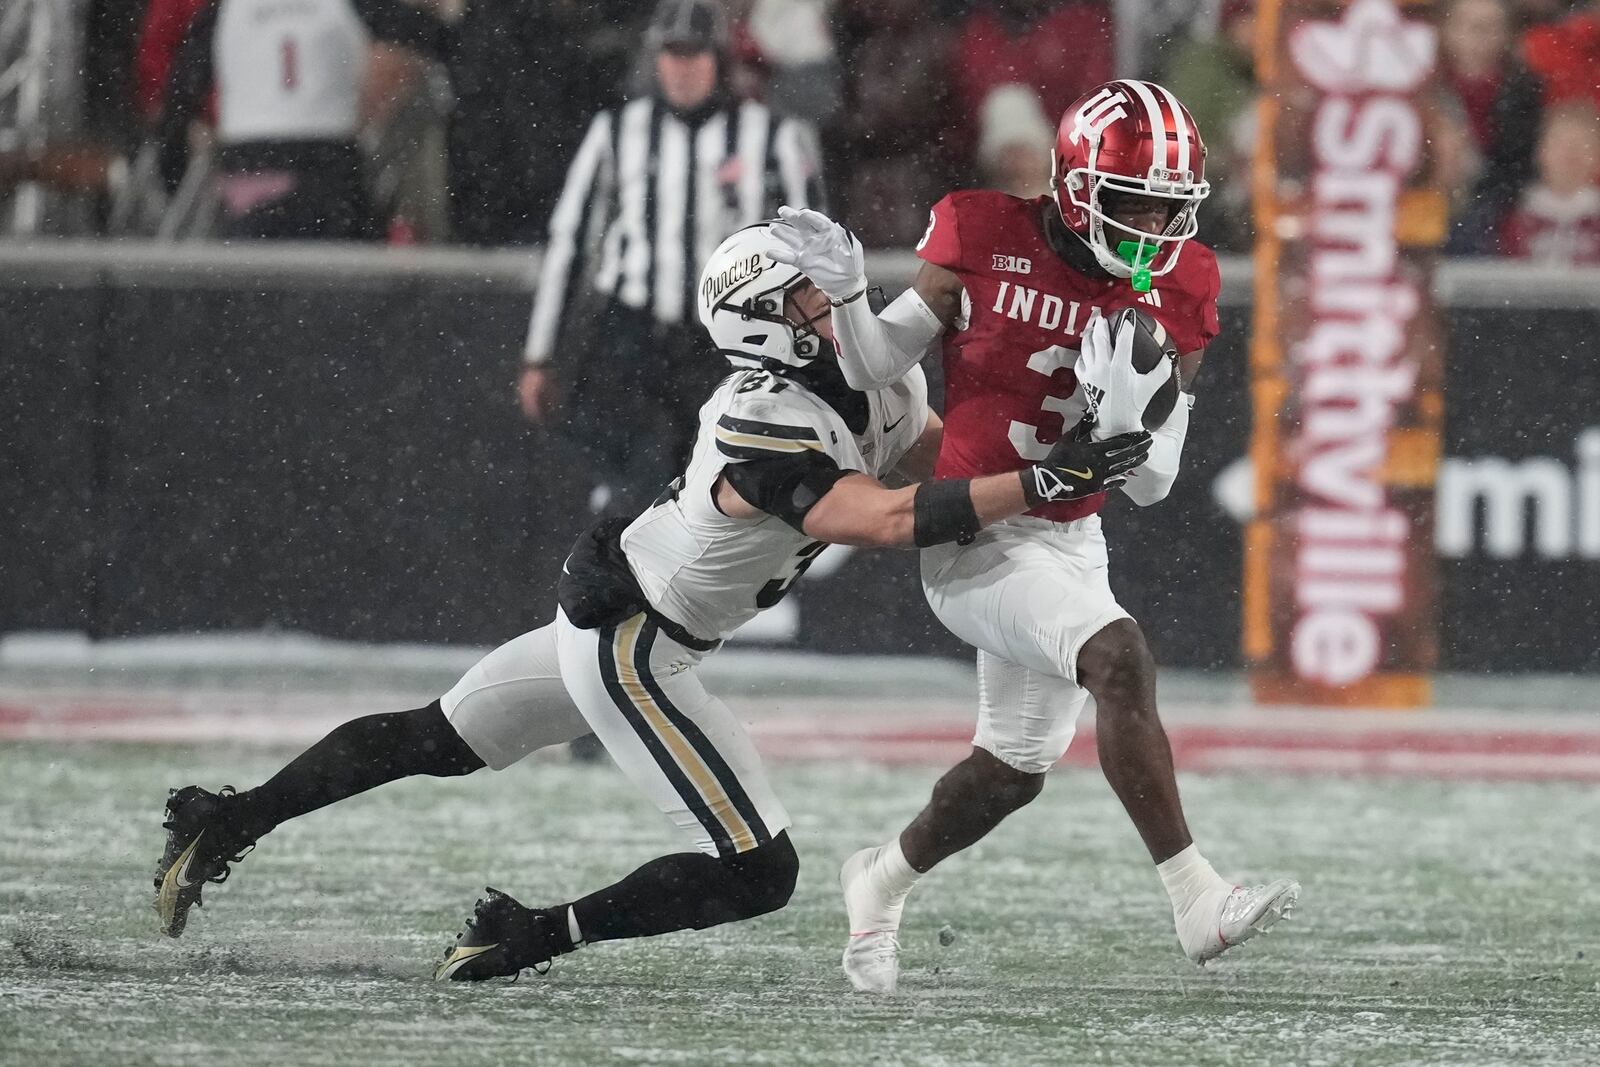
(1150, 345)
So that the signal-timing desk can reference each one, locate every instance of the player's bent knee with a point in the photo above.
(1116, 665)
(1023, 789)
(1005, 786)
(434, 743)
(768, 875)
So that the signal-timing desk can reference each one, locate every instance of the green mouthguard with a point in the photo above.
(1139, 258)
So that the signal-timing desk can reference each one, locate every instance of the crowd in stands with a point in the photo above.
(908, 98)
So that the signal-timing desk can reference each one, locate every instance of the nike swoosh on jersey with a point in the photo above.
(890, 427)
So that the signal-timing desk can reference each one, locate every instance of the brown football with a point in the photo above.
(1150, 345)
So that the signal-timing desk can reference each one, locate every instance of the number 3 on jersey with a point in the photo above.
(1024, 436)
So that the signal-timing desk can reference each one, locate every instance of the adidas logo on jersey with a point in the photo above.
(1013, 264)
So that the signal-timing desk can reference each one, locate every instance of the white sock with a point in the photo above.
(573, 930)
(891, 875)
(1188, 876)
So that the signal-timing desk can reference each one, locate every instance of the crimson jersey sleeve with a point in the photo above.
(1190, 292)
(1211, 290)
(941, 242)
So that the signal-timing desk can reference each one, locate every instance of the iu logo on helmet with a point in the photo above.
(1098, 112)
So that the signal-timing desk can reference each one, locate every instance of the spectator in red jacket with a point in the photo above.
(1558, 218)
(166, 24)
(1059, 50)
(1566, 54)
(1499, 101)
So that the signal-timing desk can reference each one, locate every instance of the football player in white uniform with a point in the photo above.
(788, 459)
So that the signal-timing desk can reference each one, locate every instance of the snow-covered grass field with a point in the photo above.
(1442, 923)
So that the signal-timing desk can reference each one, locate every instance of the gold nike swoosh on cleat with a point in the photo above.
(182, 866)
(457, 957)
(176, 878)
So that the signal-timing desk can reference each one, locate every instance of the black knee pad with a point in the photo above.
(768, 874)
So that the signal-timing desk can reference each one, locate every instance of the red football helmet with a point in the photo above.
(1131, 137)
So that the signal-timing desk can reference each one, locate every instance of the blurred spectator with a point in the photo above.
(522, 105)
(802, 73)
(655, 186)
(1499, 103)
(291, 96)
(166, 24)
(1566, 55)
(1557, 220)
(1149, 34)
(1014, 142)
(890, 138)
(1215, 77)
(1059, 50)
(111, 34)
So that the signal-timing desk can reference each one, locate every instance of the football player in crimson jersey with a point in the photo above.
(1020, 291)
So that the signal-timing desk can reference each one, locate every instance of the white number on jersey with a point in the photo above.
(1025, 437)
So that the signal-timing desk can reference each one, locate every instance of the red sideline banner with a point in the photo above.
(1340, 590)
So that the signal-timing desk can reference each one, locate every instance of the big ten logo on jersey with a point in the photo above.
(1013, 264)
(779, 624)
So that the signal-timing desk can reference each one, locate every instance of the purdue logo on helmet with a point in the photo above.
(1129, 137)
(741, 303)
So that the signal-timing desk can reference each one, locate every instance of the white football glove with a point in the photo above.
(1117, 394)
(823, 251)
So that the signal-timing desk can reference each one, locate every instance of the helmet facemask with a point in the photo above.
(1121, 250)
(769, 305)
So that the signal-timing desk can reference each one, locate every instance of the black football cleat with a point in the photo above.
(502, 939)
(200, 845)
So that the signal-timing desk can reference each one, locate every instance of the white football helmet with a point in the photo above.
(741, 298)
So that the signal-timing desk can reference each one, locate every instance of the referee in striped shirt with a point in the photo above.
(615, 353)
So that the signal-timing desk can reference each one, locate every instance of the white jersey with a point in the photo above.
(288, 70)
(711, 573)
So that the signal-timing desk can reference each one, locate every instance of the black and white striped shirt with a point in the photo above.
(650, 196)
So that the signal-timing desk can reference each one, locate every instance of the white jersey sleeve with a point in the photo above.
(766, 416)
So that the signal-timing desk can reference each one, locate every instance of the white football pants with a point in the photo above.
(1027, 593)
(641, 694)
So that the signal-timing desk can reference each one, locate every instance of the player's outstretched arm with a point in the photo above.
(860, 510)
(918, 462)
(875, 351)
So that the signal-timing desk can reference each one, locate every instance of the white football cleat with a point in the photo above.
(872, 956)
(1233, 915)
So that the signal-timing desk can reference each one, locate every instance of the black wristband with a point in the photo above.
(944, 512)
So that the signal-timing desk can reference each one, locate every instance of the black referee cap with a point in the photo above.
(690, 25)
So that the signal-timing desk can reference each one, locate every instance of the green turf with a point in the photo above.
(1441, 924)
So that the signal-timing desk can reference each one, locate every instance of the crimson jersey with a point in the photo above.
(1008, 380)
